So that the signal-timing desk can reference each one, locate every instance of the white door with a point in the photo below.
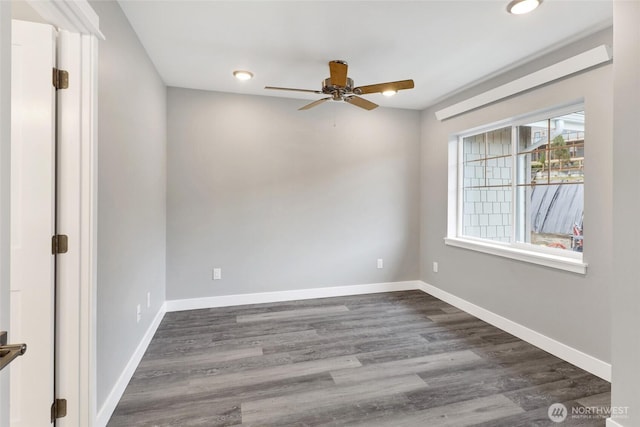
(32, 222)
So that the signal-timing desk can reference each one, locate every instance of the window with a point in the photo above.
(520, 189)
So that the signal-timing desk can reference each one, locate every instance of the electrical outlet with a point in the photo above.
(217, 273)
(148, 299)
(138, 313)
(435, 267)
(380, 263)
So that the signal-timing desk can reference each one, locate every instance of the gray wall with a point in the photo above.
(282, 199)
(571, 308)
(131, 194)
(626, 203)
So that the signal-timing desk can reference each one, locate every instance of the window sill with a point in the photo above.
(573, 265)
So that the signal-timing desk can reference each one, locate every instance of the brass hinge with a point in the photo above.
(59, 244)
(58, 409)
(60, 79)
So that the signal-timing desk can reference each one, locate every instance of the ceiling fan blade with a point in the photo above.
(381, 87)
(295, 90)
(314, 103)
(338, 73)
(360, 102)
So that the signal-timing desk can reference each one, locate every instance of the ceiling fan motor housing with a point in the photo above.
(337, 92)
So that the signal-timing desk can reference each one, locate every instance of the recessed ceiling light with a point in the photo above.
(520, 7)
(389, 92)
(243, 75)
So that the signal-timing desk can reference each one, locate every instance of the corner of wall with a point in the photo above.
(111, 402)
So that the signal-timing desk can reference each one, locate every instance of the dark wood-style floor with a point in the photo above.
(393, 359)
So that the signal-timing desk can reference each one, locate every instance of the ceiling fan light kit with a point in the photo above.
(339, 87)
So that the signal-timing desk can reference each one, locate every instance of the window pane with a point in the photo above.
(550, 189)
(487, 180)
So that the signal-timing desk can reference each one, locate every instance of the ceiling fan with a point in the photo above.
(341, 88)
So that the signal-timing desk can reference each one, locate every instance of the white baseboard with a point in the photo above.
(612, 423)
(292, 295)
(104, 414)
(563, 351)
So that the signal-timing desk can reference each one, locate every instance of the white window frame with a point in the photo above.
(536, 254)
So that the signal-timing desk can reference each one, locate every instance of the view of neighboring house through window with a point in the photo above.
(523, 184)
(488, 185)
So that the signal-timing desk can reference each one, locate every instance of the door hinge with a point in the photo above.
(60, 79)
(59, 244)
(58, 409)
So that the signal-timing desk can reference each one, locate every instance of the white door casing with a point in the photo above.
(32, 221)
(76, 218)
(78, 124)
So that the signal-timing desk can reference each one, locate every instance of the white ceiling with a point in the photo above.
(442, 45)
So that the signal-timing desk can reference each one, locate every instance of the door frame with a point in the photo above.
(5, 190)
(78, 25)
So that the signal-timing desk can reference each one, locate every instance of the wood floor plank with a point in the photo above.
(135, 407)
(460, 414)
(341, 415)
(288, 314)
(187, 383)
(537, 371)
(186, 414)
(272, 409)
(602, 400)
(180, 374)
(479, 382)
(360, 341)
(234, 331)
(419, 349)
(540, 418)
(200, 358)
(166, 347)
(261, 375)
(451, 317)
(558, 391)
(404, 367)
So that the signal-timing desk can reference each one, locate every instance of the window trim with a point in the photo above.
(540, 255)
(563, 262)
